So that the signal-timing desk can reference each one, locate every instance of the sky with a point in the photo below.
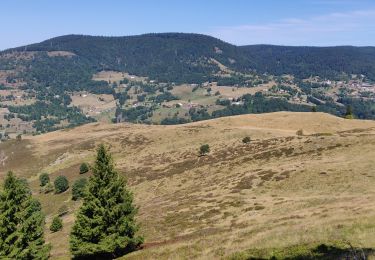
(240, 22)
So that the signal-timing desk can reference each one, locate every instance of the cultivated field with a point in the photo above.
(281, 189)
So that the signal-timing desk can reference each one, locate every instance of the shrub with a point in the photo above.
(299, 132)
(63, 210)
(47, 188)
(349, 113)
(246, 140)
(83, 168)
(78, 189)
(56, 224)
(61, 184)
(204, 149)
(43, 179)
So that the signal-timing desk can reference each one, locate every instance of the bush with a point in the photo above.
(204, 149)
(349, 113)
(56, 224)
(63, 210)
(83, 168)
(299, 132)
(61, 184)
(43, 179)
(47, 188)
(78, 189)
(246, 140)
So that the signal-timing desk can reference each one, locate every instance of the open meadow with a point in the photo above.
(305, 178)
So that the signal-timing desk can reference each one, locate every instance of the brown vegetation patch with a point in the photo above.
(245, 183)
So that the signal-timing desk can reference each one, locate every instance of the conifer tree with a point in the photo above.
(21, 222)
(105, 226)
(56, 224)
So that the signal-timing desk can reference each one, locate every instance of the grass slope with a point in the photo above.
(279, 191)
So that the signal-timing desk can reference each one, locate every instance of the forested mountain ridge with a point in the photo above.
(303, 62)
(185, 58)
(166, 57)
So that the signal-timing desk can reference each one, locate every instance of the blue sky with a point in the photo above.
(241, 22)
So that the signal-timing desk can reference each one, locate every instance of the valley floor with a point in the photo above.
(279, 190)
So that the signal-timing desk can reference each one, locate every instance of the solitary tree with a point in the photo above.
(61, 184)
(105, 226)
(56, 224)
(43, 179)
(204, 149)
(83, 168)
(21, 222)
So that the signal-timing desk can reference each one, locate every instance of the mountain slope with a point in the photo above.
(303, 62)
(279, 190)
(185, 57)
(166, 57)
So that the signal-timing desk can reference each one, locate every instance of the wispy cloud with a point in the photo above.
(350, 28)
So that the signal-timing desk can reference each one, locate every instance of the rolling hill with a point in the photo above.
(285, 188)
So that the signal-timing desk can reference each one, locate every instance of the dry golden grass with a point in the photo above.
(93, 104)
(279, 190)
(115, 76)
(60, 54)
(235, 92)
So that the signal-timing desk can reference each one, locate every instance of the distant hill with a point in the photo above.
(181, 57)
(146, 75)
(303, 62)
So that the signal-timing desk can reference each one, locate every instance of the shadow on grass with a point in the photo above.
(307, 252)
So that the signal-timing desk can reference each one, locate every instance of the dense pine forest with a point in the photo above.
(184, 58)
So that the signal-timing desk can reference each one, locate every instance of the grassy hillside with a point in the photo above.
(281, 190)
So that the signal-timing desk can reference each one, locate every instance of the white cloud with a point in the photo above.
(351, 28)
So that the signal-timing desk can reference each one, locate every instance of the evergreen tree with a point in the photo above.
(83, 168)
(105, 226)
(21, 222)
(56, 224)
(43, 179)
(78, 189)
(61, 184)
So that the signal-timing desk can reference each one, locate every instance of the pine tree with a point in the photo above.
(78, 189)
(21, 222)
(105, 226)
(43, 179)
(56, 224)
(83, 168)
(61, 184)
